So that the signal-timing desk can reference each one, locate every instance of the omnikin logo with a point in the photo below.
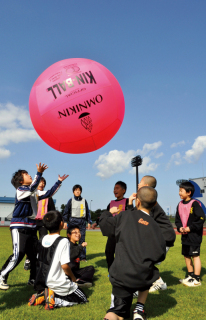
(83, 78)
(80, 107)
(86, 120)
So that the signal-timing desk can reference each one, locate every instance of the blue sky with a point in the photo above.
(155, 49)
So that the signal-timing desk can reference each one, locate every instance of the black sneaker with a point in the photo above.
(27, 265)
(31, 282)
(139, 315)
(83, 284)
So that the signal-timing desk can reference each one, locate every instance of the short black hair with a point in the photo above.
(147, 196)
(69, 230)
(77, 186)
(188, 186)
(44, 180)
(17, 178)
(122, 185)
(52, 220)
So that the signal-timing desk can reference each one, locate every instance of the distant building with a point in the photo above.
(6, 208)
(200, 190)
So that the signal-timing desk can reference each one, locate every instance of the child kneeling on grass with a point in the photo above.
(84, 275)
(55, 282)
(139, 246)
(189, 220)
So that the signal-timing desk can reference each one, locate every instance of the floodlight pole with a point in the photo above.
(136, 162)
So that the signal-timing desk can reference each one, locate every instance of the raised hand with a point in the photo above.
(63, 177)
(41, 167)
(114, 210)
(132, 197)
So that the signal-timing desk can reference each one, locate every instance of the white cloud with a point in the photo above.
(12, 117)
(4, 153)
(119, 161)
(197, 149)
(15, 127)
(178, 144)
(176, 159)
(158, 155)
(149, 147)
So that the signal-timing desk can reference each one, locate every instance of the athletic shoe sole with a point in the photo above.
(193, 286)
(4, 287)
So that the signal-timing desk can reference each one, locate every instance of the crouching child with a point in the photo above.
(55, 282)
(83, 275)
(139, 245)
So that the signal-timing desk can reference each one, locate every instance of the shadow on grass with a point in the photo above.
(169, 278)
(159, 303)
(16, 295)
(95, 255)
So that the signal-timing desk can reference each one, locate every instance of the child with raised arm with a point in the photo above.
(55, 281)
(139, 245)
(189, 220)
(44, 206)
(23, 223)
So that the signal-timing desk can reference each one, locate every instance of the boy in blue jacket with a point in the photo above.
(77, 213)
(23, 223)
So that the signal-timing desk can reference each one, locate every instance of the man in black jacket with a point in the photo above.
(139, 245)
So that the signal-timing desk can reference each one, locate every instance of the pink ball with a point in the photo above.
(76, 105)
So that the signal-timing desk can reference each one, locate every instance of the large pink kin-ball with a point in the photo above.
(76, 105)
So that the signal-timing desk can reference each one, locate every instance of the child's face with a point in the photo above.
(41, 185)
(184, 195)
(27, 179)
(75, 235)
(118, 192)
(77, 192)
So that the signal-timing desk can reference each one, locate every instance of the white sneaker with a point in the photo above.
(136, 294)
(138, 315)
(158, 285)
(185, 279)
(192, 283)
(3, 285)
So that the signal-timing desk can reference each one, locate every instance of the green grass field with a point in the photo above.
(177, 302)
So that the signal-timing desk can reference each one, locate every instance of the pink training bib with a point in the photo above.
(42, 209)
(121, 205)
(184, 212)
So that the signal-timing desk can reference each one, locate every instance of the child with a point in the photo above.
(158, 214)
(44, 206)
(121, 203)
(76, 213)
(23, 223)
(84, 275)
(189, 221)
(55, 281)
(139, 245)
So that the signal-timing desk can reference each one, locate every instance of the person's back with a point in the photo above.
(53, 253)
(139, 245)
(53, 271)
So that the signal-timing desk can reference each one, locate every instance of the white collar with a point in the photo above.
(145, 212)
